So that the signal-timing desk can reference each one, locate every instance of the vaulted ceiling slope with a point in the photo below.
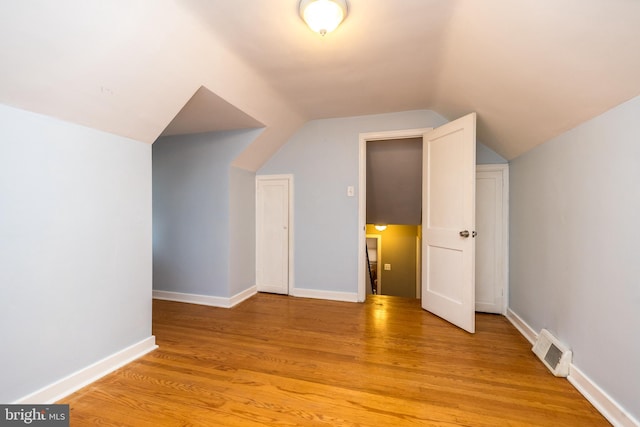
(128, 67)
(530, 69)
(207, 112)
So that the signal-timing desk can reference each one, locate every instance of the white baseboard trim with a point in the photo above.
(241, 296)
(328, 295)
(205, 299)
(522, 326)
(74, 382)
(609, 408)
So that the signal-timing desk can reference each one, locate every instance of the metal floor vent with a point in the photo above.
(553, 354)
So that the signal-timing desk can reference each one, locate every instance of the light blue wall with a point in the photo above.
(323, 157)
(242, 229)
(75, 248)
(574, 257)
(486, 156)
(191, 211)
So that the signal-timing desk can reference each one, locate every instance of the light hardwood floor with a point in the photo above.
(277, 360)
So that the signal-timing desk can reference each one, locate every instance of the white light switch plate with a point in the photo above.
(387, 267)
(351, 191)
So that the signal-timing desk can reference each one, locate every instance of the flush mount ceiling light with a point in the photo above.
(380, 227)
(323, 16)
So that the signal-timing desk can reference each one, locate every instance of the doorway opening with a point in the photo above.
(448, 226)
(397, 205)
(394, 211)
(396, 271)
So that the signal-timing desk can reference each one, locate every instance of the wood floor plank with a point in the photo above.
(278, 360)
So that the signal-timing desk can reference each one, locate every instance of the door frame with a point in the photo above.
(362, 190)
(289, 179)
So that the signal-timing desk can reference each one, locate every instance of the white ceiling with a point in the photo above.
(531, 69)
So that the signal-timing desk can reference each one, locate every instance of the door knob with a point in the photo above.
(464, 233)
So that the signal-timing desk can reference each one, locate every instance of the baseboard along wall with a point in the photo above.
(238, 298)
(327, 295)
(74, 382)
(609, 408)
(212, 301)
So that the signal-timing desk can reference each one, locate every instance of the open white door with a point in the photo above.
(448, 222)
(272, 233)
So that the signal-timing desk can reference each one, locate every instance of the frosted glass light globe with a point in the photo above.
(323, 16)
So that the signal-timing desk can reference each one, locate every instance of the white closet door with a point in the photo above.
(491, 242)
(272, 234)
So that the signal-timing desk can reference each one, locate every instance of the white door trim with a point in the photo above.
(504, 244)
(362, 196)
(289, 178)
